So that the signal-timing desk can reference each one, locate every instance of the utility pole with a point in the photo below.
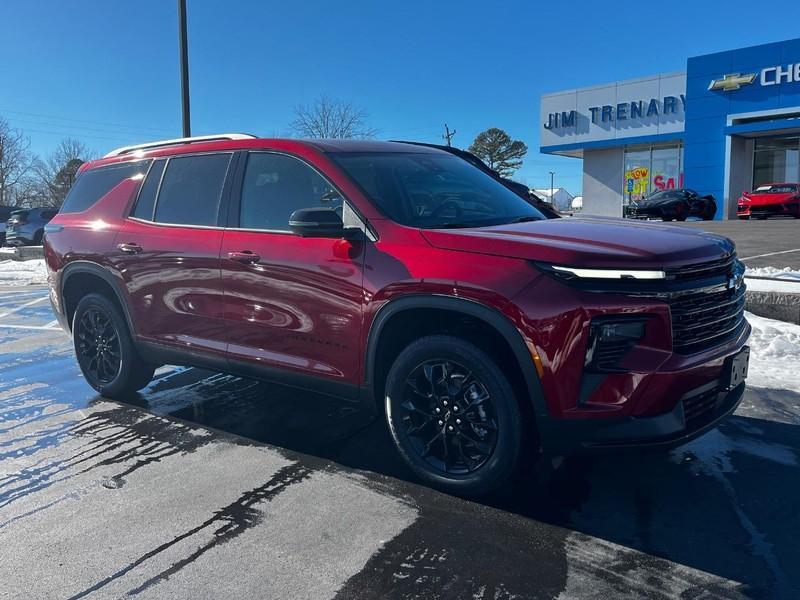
(448, 135)
(552, 174)
(184, 52)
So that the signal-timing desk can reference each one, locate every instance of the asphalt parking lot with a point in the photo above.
(212, 486)
(769, 243)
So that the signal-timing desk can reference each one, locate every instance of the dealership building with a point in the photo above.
(728, 123)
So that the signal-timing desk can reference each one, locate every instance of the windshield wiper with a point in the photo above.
(525, 219)
(452, 226)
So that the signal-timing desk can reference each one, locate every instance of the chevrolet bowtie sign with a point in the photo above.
(767, 76)
(731, 82)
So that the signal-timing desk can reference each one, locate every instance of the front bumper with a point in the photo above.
(674, 428)
(789, 209)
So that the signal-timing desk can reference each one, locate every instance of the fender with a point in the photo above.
(492, 317)
(83, 266)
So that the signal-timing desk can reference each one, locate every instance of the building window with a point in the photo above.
(651, 169)
(776, 161)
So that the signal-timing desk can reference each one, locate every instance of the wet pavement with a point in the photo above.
(212, 486)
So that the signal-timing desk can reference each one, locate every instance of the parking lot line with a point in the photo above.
(36, 327)
(21, 306)
(771, 254)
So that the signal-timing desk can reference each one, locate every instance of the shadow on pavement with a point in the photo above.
(726, 504)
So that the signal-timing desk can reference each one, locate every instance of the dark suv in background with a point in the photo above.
(407, 280)
(25, 226)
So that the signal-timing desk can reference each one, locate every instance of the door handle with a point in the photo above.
(130, 248)
(245, 256)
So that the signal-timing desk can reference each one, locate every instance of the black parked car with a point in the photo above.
(677, 205)
(25, 226)
(520, 189)
(5, 213)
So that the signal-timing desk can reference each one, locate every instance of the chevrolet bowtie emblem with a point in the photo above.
(731, 82)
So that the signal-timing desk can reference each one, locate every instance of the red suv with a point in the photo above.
(405, 279)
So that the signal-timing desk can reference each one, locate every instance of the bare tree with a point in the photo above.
(57, 174)
(16, 162)
(329, 118)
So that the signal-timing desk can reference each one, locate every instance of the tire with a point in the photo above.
(666, 219)
(122, 372)
(484, 447)
(37, 238)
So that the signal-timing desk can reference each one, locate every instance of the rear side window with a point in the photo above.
(146, 202)
(191, 189)
(96, 183)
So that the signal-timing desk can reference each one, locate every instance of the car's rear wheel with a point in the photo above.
(106, 354)
(453, 415)
(37, 238)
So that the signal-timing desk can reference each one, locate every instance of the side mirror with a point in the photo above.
(317, 222)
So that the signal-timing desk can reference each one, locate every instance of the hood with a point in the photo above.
(645, 203)
(589, 242)
(762, 198)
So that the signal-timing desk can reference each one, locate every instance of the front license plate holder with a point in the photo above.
(735, 370)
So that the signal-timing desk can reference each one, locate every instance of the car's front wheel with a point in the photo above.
(453, 415)
(106, 354)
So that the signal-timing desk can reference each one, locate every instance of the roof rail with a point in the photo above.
(178, 141)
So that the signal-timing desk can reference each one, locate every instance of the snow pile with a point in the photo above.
(24, 272)
(774, 354)
(774, 273)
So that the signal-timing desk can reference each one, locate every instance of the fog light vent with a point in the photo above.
(610, 341)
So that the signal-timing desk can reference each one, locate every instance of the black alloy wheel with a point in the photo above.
(454, 416)
(106, 353)
(98, 345)
(448, 417)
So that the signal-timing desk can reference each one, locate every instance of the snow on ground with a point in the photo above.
(772, 285)
(774, 354)
(23, 272)
(773, 273)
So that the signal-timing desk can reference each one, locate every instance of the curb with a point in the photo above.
(23, 253)
(782, 306)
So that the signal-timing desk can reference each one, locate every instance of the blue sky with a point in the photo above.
(107, 71)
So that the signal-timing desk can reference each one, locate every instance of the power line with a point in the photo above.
(92, 122)
(78, 135)
(82, 127)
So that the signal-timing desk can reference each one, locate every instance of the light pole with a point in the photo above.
(184, 52)
(552, 174)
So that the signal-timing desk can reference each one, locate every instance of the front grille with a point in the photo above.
(774, 209)
(706, 319)
(715, 268)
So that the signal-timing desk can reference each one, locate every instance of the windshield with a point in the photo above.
(432, 190)
(776, 189)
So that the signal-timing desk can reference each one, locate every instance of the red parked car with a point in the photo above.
(770, 199)
(407, 280)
